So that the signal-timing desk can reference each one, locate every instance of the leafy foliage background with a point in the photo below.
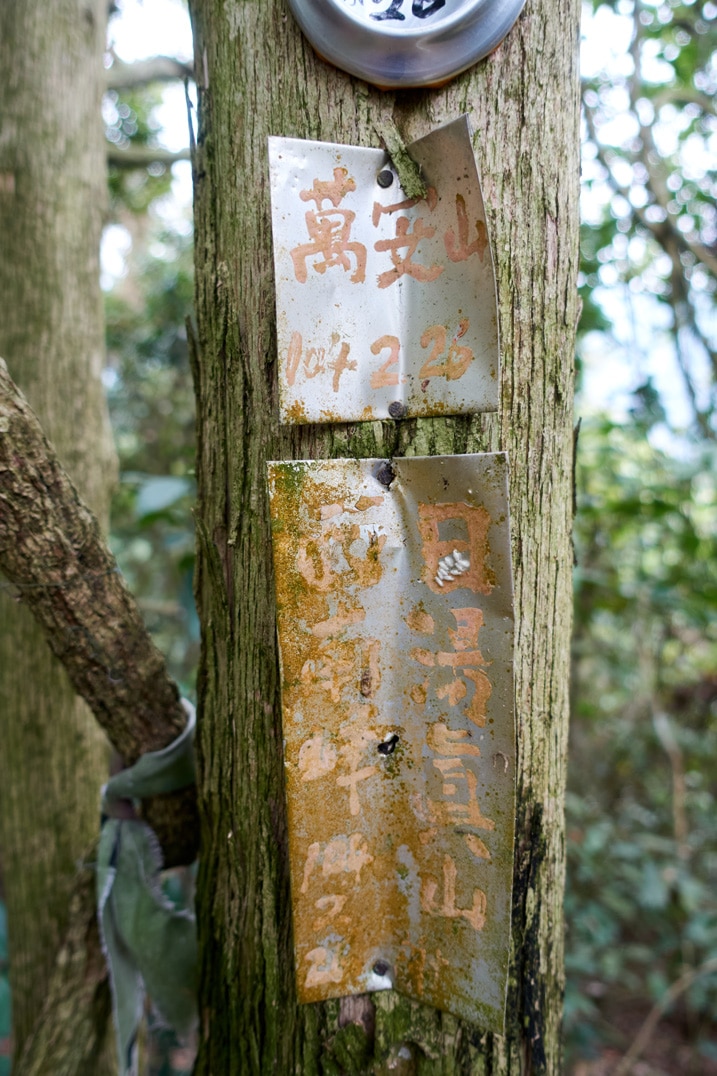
(641, 903)
(642, 797)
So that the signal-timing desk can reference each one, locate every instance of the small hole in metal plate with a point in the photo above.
(385, 178)
(386, 474)
(388, 746)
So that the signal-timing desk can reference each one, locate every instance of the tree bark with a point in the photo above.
(52, 198)
(257, 76)
(67, 1038)
(52, 550)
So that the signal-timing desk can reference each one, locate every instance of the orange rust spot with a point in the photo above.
(421, 621)
(364, 503)
(419, 693)
(296, 413)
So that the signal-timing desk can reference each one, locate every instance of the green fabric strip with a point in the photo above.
(150, 946)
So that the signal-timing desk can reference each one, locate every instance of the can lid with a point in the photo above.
(397, 44)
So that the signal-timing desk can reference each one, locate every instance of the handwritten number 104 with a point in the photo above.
(449, 360)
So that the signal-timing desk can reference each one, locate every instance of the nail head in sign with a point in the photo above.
(405, 43)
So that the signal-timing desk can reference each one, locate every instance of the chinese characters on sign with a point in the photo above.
(395, 631)
(394, 9)
(382, 299)
(402, 43)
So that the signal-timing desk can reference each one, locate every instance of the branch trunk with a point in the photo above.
(51, 548)
(53, 192)
(259, 77)
(141, 156)
(52, 199)
(122, 76)
(64, 1040)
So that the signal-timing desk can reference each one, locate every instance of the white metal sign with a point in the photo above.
(398, 43)
(386, 305)
(396, 635)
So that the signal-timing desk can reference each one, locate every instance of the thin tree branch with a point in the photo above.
(52, 550)
(649, 152)
(122, 76)
(657, 228)
(673, 243)
(685, 95)
(409, 174)
(142, 156)
(644, 1035)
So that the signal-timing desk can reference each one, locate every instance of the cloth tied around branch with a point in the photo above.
(150, 946)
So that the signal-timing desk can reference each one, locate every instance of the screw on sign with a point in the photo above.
(419, 272)
(394, 602)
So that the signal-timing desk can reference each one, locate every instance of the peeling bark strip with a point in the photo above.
(52, 550)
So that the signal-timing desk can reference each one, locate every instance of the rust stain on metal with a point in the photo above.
(397, 700)
(350, 252)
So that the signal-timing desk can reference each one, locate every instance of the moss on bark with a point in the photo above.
(257, 76)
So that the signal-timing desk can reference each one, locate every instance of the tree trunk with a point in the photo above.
(257, 76)
(52, 198)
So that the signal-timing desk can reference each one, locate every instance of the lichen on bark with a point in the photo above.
(259, 77)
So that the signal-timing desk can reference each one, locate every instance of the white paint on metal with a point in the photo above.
(400, 43)
(397, 703)
(386, 306)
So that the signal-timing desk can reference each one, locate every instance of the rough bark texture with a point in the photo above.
(51, 548)
(65, 1040)
(258, 77)
(52, 196)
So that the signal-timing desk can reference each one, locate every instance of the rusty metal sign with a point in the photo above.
(386, 305)
(396, 637)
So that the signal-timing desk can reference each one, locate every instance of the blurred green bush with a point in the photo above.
(642, 798)
(152, 409)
